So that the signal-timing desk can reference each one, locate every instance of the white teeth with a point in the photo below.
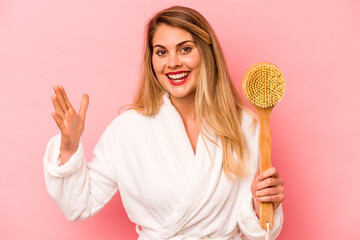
(177, 76)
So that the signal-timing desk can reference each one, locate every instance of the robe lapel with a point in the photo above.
(199, 173)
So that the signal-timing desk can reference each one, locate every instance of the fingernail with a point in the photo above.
(258, 178)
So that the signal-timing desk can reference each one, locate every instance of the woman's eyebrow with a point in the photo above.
(177, 45)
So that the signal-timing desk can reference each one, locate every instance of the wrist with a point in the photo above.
(68, 146)
(65, 156)
(67, 149)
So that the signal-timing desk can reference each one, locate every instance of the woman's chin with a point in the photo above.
(181, 94)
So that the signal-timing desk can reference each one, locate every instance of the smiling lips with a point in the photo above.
(178, 78)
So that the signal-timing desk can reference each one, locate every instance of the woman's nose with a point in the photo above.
(174, 61)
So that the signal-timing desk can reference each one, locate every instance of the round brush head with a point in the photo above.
(263, 84)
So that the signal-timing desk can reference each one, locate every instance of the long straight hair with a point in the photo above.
(218, 104)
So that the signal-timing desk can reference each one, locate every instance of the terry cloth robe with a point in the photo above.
(167, 190)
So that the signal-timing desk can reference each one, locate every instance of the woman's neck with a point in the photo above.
(186, 107)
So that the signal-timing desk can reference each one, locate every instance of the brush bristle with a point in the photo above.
(263, 85)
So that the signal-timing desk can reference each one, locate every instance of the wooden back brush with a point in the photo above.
(263, 84)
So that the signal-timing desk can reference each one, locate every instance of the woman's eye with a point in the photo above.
(160, 52)
(186, 49)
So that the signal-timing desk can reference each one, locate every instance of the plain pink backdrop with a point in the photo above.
(95, 47)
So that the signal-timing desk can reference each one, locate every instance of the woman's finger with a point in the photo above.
(269, 191)
(270, 172)
(58, 109)
(269, 182)
(59, 121)
(60, 99)
(84, 105)
(276, 199)
(67, 102)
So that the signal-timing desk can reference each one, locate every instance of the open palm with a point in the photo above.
(70, 123)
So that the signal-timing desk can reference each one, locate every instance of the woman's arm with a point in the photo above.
(80, 189)
(248, 220)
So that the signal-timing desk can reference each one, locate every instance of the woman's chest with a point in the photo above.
(163, 170)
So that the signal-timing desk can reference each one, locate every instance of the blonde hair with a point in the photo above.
(217, 102)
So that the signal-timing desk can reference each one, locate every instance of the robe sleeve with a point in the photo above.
(81, 188)
(250, 225)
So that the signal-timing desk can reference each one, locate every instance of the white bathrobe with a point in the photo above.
(167, 191)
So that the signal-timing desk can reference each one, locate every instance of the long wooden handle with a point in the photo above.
(266, 209)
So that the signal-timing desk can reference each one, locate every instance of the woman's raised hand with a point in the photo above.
(70, 123)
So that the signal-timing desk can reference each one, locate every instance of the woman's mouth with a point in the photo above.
(179, 78)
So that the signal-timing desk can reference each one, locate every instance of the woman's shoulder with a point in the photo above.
(125, 127)
(128, 119)
(248, 118)
(249, 123)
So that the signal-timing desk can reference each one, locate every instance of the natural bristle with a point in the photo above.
(263, 85)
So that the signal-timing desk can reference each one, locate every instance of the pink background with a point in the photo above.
(95, 47)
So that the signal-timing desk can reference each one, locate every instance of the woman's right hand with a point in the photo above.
(70, 123)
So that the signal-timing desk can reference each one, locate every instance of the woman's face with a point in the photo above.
(176, 61)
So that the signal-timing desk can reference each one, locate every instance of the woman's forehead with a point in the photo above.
(169, 36)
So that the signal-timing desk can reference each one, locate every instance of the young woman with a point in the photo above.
(184, 157)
